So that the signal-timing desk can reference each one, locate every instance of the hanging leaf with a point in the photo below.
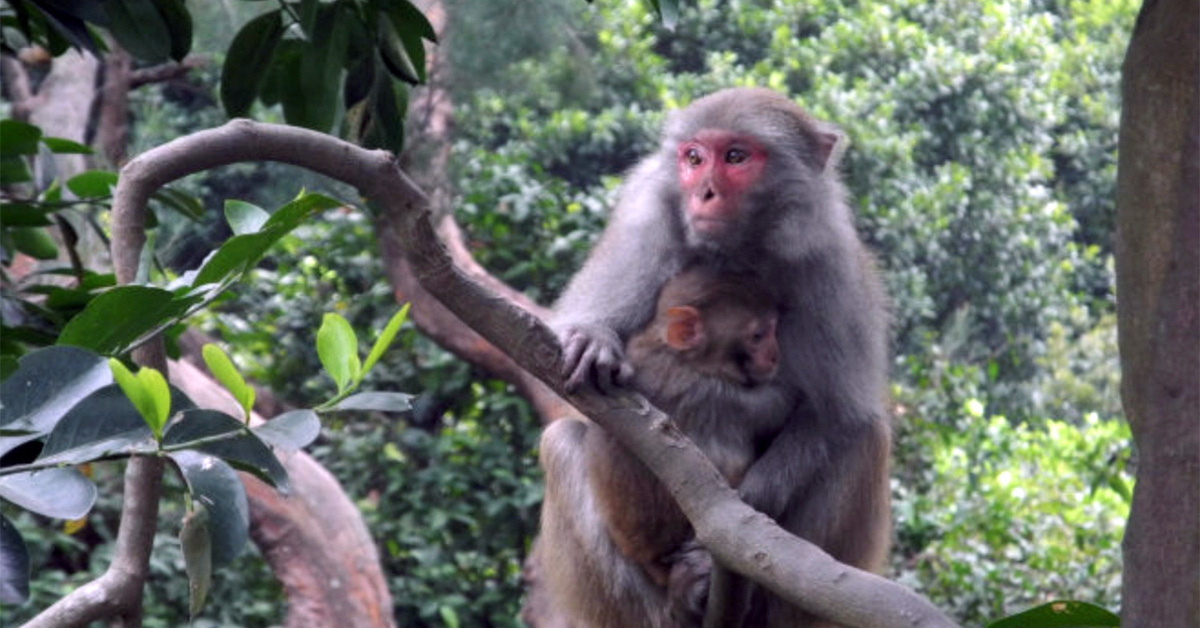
(247, 61)
(196, 542)
(14, 564)
(216, 485)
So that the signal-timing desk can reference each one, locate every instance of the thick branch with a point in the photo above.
(738, 536)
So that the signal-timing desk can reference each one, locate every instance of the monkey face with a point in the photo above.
(716, 170)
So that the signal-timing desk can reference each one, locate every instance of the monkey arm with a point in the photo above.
(614, 293)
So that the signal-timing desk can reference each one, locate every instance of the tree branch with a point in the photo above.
(739, 537)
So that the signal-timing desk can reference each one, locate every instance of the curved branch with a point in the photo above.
(738, 536)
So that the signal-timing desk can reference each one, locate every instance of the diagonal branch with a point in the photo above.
(738, 536)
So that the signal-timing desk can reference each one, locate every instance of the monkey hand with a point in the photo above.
(593, 352)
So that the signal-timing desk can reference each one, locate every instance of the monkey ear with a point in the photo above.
(827, 147)
(684, 329)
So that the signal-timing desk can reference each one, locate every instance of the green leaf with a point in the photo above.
(408, 17)
(82, 437)
(140, 29)
(395, 55)
(179, 25)
(181, 202)
(47, 384)
(93, 184)
(54, 493)
(18, 138)
(1060, 614)
(196, 542)
(337, 347)
(14, 564)
(139, 396)
(34, 242)
(240, 447)
(290, 430)
(216, 485)
(22, 214)
(247, 61)
(244, 217)
(313, 103)
(14, 170)
(223, 369)
(385, 338)
(376, 401)
(113, 321)
(242, 252)
(61, 146)
(155, 387)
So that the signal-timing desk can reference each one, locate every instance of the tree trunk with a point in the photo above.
(1158, 288)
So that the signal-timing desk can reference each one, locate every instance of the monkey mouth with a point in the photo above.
(709, 226)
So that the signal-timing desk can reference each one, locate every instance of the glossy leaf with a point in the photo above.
(181, 202)
(61, 146)
(112, 322)
(242, 252)
(55, 493)
(314, 102)
(18, 138)
(244, 217)
(93, 184)
(395, 55)
(376, 401)
(14, 170)
(216, 485)
(385, 338)
(223, 369)
(290, 430)
(196, 543)
(179, 25)
(1060, 614)
(104, 424)
(14, 564)
(337, 347)
(140, 28)
(247, 61)
(237, 445)
(47, 384)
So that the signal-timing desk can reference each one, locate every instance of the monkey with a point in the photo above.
(705, 359)
(743, 179)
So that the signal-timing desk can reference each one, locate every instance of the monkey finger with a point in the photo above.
(573, 347)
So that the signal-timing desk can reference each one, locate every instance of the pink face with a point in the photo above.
(716, 169)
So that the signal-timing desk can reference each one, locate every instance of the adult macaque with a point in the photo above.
(745, 180)
(706, 358)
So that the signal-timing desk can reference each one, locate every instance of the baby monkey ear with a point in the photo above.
(684, 329)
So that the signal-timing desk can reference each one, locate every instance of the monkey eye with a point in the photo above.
(736, 156)
(693, 157)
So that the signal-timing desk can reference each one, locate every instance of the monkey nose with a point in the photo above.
(709, 194)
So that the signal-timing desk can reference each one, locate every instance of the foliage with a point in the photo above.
(992, 517)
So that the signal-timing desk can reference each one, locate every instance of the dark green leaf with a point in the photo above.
(244, 217)
(14, 564)
(14, 170)
(113, 321)
(196, 542)
(359, 80)
(70, 30)
(247, 61)
(103, 424)
(181, 202)
(215, 484)
(18, 138)
(60, 146)
(408, 18)
(290, 430)
(395, 55)
(1060, 614)
(140, 29)
(242, 252)
(92, 184)
(20, 214)
(46, 385)
(179, 25)
(54, 493)
(376, 401)
(242, 448)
